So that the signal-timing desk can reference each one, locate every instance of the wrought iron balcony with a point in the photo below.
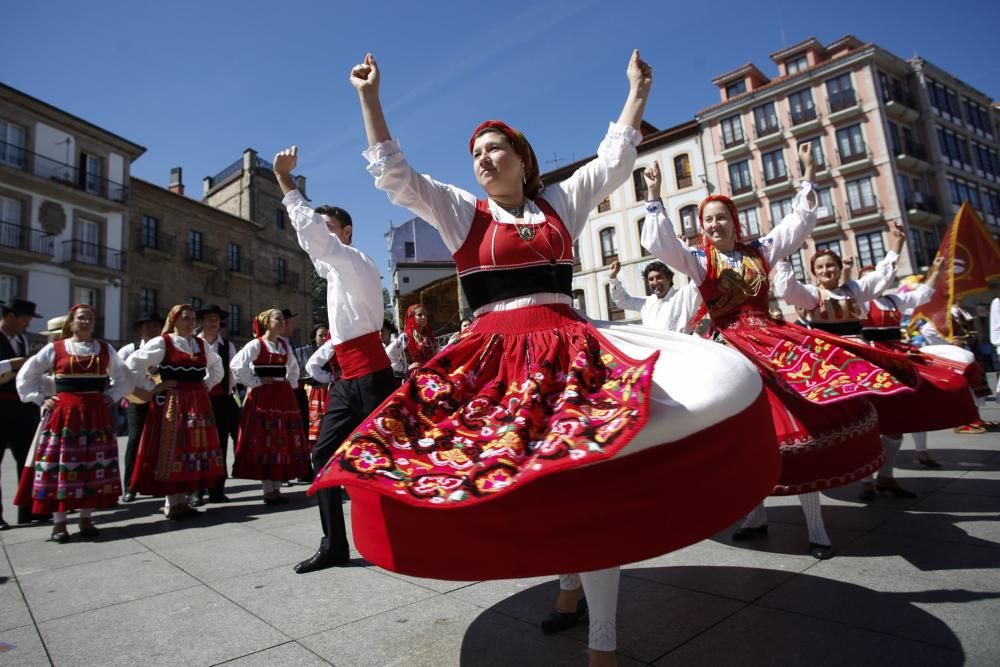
(287, 278)
(803, 115)
(733, 141)
(20, 237)
(921, 202)
(164, 243)
(843, 99)
(896, 92)
(81, 252)
(768, 128)
(60, 172)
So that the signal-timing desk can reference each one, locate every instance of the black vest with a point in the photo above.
(7, 352)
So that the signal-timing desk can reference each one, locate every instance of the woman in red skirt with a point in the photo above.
(76, 458)
(323, 370)
(420, 342)
(179, 452)
(271, 445)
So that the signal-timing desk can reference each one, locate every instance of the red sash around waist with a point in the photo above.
(361, 356)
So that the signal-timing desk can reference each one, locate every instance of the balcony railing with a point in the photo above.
(896, 92)
(81, 252)
(855, 156)
(733, 141)
(227, 172)
(915, 149)
(25, 238)
(767, 129)
(202, 253)
(802, 115)
(740, 188)
(60, 172)
(287, 278)
(843, 99)
(922, 202)
(160, 242)
(863, 208)
(776, 178)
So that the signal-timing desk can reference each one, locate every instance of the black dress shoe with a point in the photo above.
(867, 496)
(744, 534)
(557, 621)
(320, 561)
(196, 499)
(820, 551)
(128, 497)
(929, 463)
(3, 524)
(897, 491)
(218, 498)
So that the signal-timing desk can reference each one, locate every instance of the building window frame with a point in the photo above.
(609, 248)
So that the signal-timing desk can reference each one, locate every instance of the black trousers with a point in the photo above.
(227, 423)
(350, 402)
(135, 417)
(19, 421)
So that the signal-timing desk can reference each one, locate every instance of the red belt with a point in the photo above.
(361, 356)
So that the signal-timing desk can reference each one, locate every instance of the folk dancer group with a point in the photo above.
(537, 442)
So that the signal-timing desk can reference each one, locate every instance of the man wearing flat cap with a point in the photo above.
(149, 325)
(19, 419)
(227, 412)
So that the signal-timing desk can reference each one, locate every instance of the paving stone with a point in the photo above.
(302, 604)
(438, 585)
(219, 559)
(195, 626)
(29, 557)
(526, 599)
(13, 608)
(291, 654)
(758, 636)
(69, 590)
(22, 647)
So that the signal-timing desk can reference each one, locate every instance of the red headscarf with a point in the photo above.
(420, 342)
(532, 177)
(262, 322)
(733, 213)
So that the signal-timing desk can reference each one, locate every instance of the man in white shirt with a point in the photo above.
(355, 308)
(149, 326)
(666, 307)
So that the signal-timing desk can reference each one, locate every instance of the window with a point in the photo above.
(860, 196)
(194, 245)
(978, 117)
(737, 88)
(817, 150)
(851, 144)
(796, 261)
(87, 242)
(796, 65)
(765, 119)
(774, 166)
(840, 92)
(195, 302)
(580, 301)
(279, 217)
(931, 243)
(234, 319)
(943, 99)
(779, 209)
(829, 245)
(732, 131)
(147, 300)
(614, 312)
(280, 270)
(10, 286)
(991, 202)
(954, 148)
(150, 232)
(12, 142)
(682, 169)
(749, 223)
(689, 220)
(11, 231)
(826, 209)
(576, 255)
(409, 249)
(986, 160)
(919, 251)
(91, 173)
(639, 184)
(233, 257)
(962, 191)
(609, 252)
(87, 295)
(870, 249)
(802, 106)
(605, 205)
(642, 249)
(739, 177)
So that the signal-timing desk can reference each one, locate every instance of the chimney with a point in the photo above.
(176, 181)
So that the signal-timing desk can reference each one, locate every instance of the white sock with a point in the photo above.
(756, 518)
(813, 510)
(174, 499)
(270, 486)
(919, 441)
(569, 582)
(59, 517)
(601, 589)
(891, 445)
(86, 512)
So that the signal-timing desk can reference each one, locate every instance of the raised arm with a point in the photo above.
(789, 235)
(619, 294)
(786, 286)
(872, 284)
(658, 236)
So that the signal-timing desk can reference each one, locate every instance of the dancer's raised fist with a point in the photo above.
(365, 77)
(285, 161)
(640, 73)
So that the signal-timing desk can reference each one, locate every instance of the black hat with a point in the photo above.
(213, 309)
(149, 316)
(287, 312)
(19, 307)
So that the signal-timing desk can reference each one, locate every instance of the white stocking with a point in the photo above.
(756, 518)
(601, 589)
(85, 512)
(814, 518)
(175, 499)
(919, 441)
(270, 486)
(891, 445)
(59, 517)
(569, 582)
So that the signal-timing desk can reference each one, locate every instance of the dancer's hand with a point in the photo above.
(640, 74)
(49, 404)
(935, 274)
(654, 180)
(285, 161)
(808, 162)
(897, 236)
(848, 272)
(365, 77)
(616, 266)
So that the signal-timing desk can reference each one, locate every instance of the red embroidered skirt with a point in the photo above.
(272, 442)
(179, 451)
(503, 448)
(76, 458)
(319, 398)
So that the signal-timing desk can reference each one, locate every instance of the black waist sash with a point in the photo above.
(270, 370)
(182, 373)
(80, 384)
(838, 328)
(483, 287)
(876, 335)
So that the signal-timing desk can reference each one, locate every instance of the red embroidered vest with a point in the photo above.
(736, 296)
(181, 366)
(80, 373)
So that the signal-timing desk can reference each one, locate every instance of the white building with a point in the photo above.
(613, 228)
(63, 193)
(417, 258)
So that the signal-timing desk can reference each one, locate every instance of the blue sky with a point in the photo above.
(198, 82)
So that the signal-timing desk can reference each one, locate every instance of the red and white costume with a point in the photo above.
(323, 370)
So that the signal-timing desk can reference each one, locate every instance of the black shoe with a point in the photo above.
(820, 551)
(304, 480)
(867, 496)
(929, 463)
(557, 621)
(128, 497)
(897, 491)
(320, 561)
(744, 534)
(196, 499)
(60, 535)
(286, 484)
(218, 498)
(3, 524)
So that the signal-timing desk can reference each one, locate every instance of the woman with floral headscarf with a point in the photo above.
(540, 442)
(76, 458)
(272, 444)
(419, 339)
(827, 430)
(179, 452)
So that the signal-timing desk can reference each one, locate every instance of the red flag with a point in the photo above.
(971, 260)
